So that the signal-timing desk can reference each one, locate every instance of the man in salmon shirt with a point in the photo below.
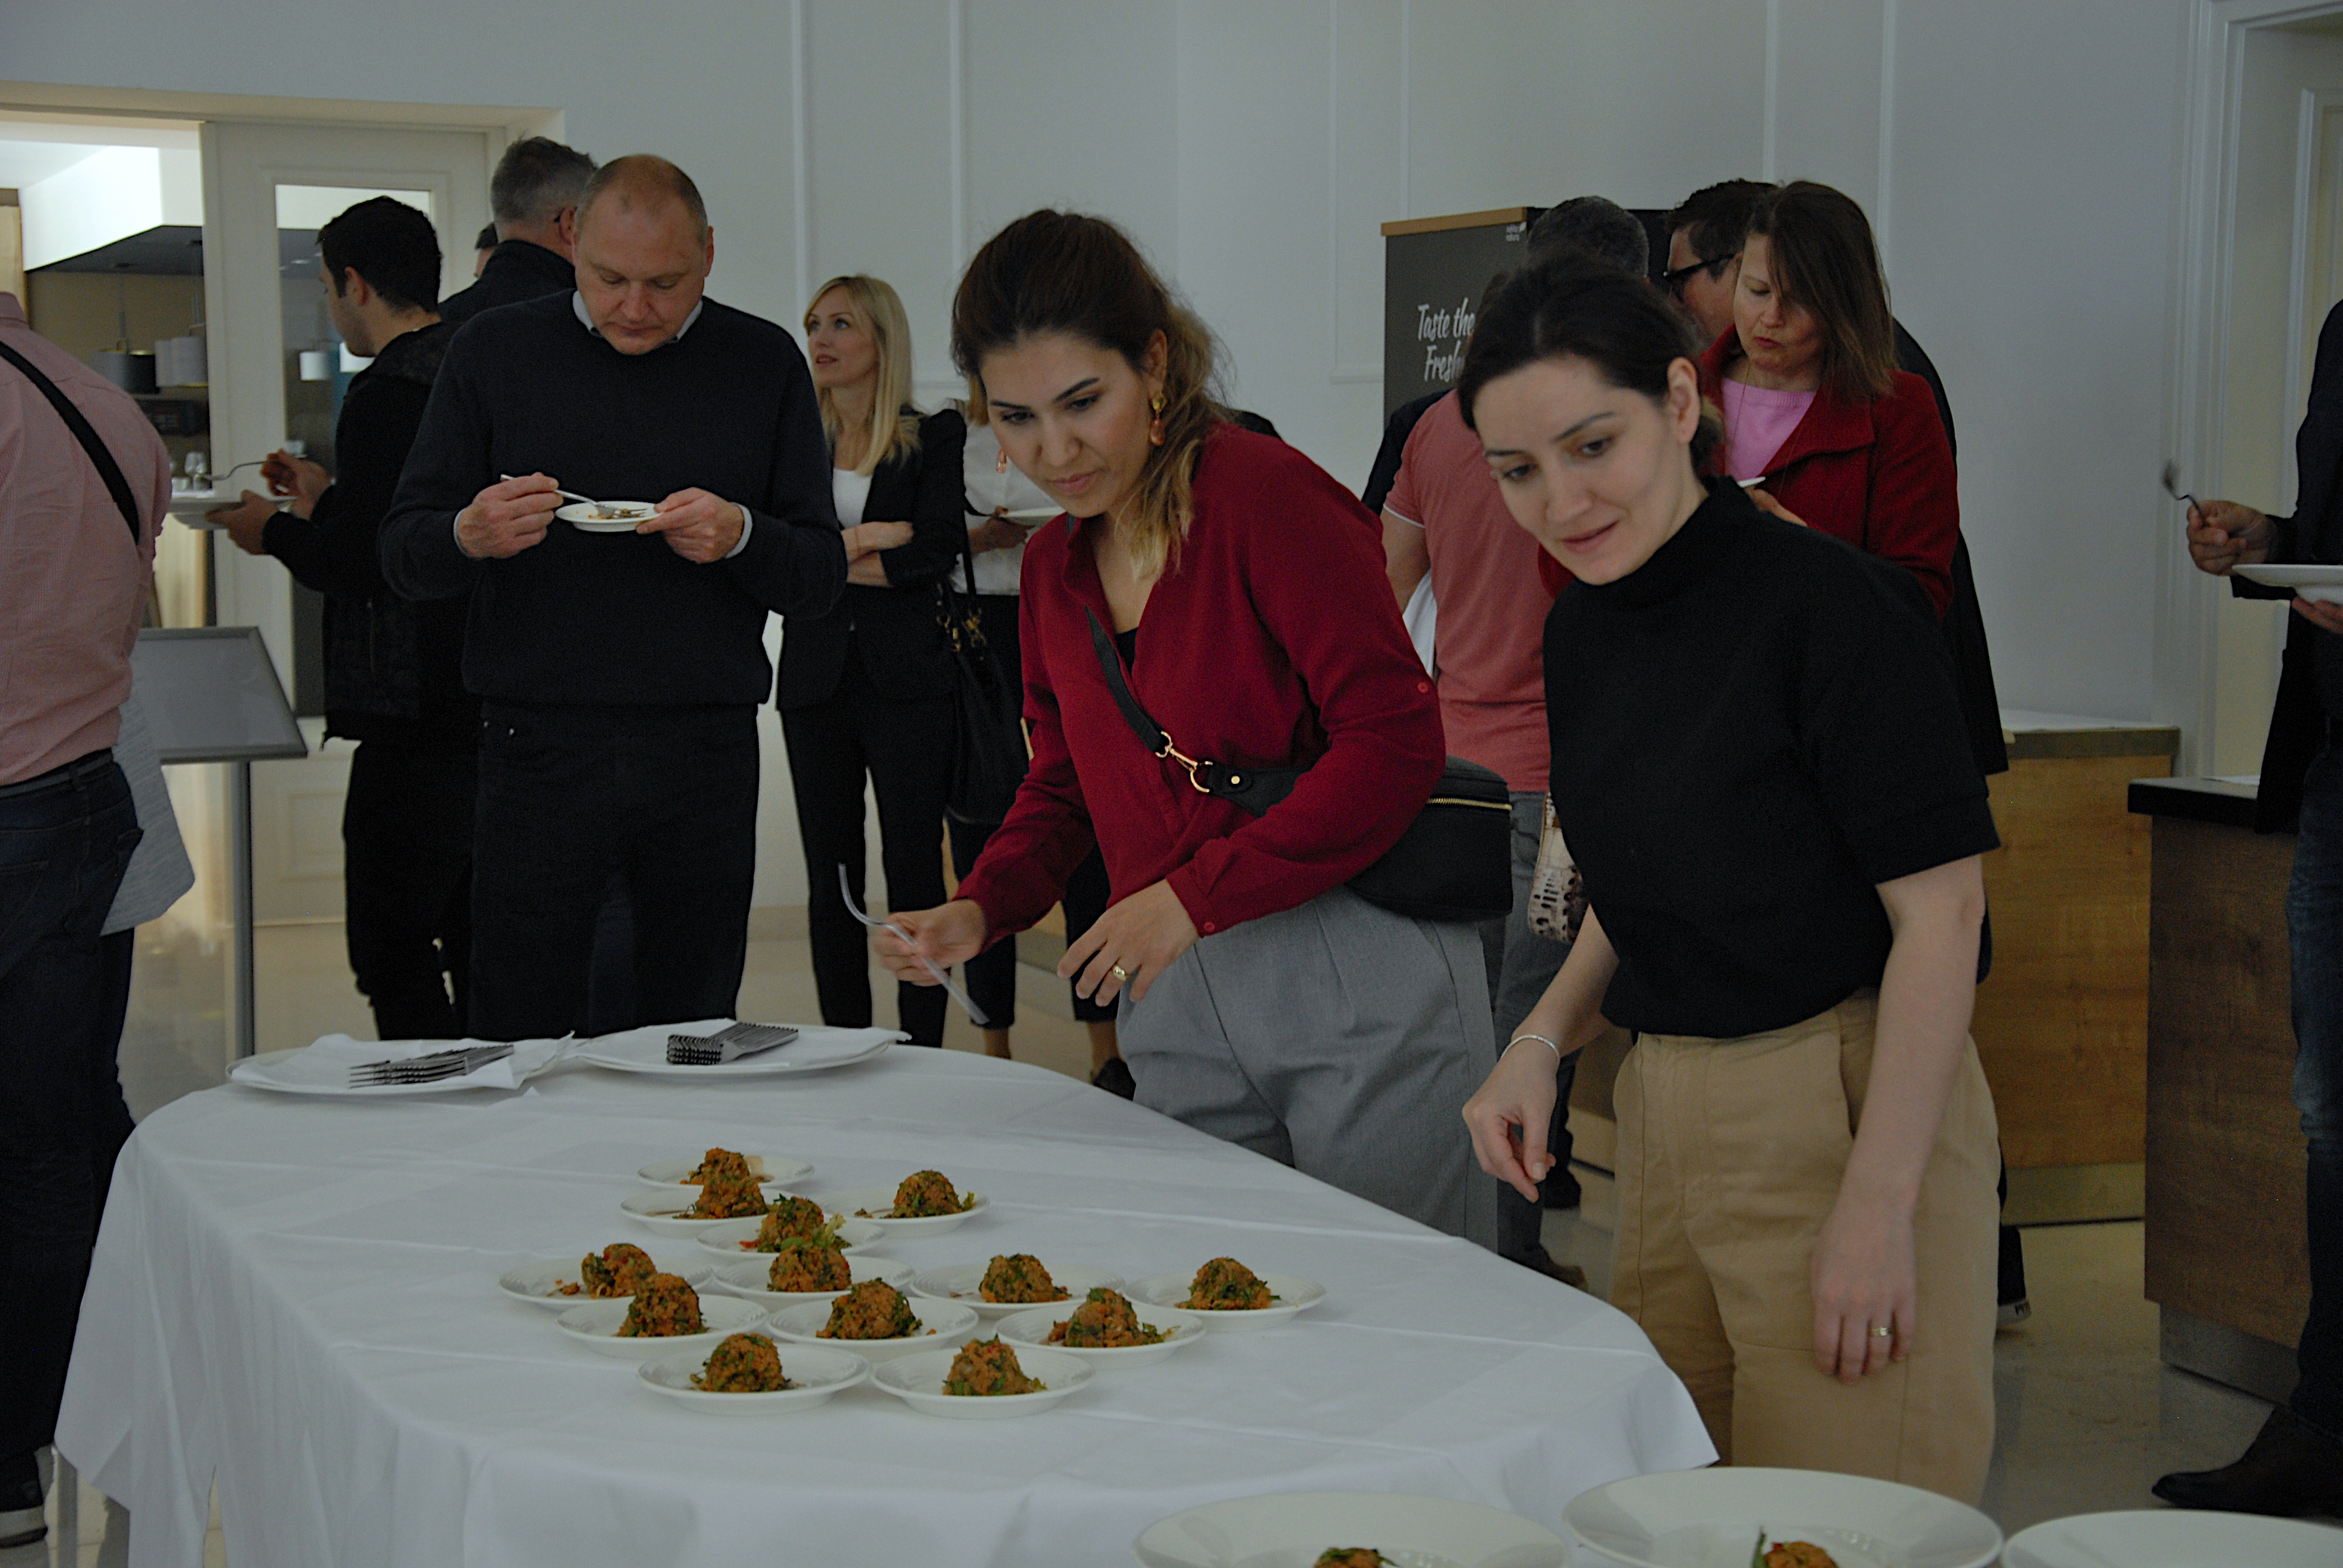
(1445, 518)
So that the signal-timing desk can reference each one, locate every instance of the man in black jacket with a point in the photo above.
(620, 666)
(2296, 1464)
(393, 677)
(534, 195)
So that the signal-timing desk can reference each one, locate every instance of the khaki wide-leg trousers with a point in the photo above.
(1729, 1156)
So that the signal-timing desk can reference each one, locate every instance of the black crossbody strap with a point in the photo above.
(1151, 734)
(1254, 789)
(78, 422)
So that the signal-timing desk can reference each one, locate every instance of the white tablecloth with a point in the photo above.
(299, 1297)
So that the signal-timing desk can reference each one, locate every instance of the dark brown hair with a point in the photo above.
(1823, 258)
(1071, 273)
(1579, 307)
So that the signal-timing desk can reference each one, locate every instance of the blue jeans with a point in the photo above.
(2313, 919)
(62, 1120)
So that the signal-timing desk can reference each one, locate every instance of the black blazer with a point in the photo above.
(2297, 725)
(897, 630)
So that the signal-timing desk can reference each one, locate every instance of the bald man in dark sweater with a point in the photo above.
(620, 673)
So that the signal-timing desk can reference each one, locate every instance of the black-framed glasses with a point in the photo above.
(1676, 277)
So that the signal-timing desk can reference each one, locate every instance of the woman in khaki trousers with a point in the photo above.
(1759, 764)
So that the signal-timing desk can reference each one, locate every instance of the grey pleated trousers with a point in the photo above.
(1337, 1038)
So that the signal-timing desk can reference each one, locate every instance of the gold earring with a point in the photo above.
(1000, 461)
(1155, 426)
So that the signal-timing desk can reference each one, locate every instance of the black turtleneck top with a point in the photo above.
(1751, 732)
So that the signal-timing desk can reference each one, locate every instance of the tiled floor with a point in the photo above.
(2088, 1416)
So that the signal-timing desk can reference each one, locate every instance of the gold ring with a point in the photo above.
(1118, 971)
(1878, 1333)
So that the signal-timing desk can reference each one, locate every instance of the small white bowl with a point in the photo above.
(539, 1283)
(947, 1324)
(747, 1279)
(1289, 1530)
(958, 1284)
(733, 1240)
(817, 1374)
(1710, 1519)
(663, 1210)
(1032, 1326)
(919, 1382)
(1294, 1295)
(880, 1201)
(2174, 1538)
(596, 1326)
(769, 1169)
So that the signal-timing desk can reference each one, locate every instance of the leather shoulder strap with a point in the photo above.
(78, 422)
(1151, 734)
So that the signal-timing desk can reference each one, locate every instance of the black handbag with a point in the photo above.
(989, 751)
(1454, 862)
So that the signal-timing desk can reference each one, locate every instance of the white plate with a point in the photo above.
(1031, 514)
(2174, 1538)
(747, 1281)
(537, 1282)
(1032, 1326)
(769, 1169)
(1289, 1530)
(724, 1238)
(919, 1382)
(582, 516)
(664, 1210)
(815, 1050)
(818, 1374)
(2325, 583)
(948, 1323)
(958, 1284)
(1710, 1519)
(842, 1206)
(596, 1326)
(1294, 1295)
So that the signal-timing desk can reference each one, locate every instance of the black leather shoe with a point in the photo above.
(2291, 1469)
(22, 1516)
(1114, 1077)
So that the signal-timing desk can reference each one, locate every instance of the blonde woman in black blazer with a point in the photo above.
(866, 691)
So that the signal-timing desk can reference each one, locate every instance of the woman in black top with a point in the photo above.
(867, 688)
(1759, 768)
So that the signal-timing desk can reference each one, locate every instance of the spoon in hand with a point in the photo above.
(2172, 486)
(600, 508)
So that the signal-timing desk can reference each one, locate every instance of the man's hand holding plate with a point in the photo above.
(698, 526)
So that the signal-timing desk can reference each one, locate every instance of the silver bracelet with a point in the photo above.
(1540, 1039)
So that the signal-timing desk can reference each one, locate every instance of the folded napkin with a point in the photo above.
(328, 1061)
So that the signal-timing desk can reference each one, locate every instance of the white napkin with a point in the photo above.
(336, 1054)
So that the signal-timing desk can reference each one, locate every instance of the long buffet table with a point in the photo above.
(297, 1298)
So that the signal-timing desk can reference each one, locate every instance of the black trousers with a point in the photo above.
(991, 975)
(63, 990)
(905, 749)
(407, 879)
(667, 798)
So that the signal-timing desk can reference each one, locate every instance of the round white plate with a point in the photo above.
(2174, 1538)
(1289, 1530)
(770, 1171)
(815, 1050)
(727, 1239)
(1294, 1295)
(1710, 1519)
(747, 1279)
(298, 1071)
(958, 1284)
(586, 519)
(842, 1206)
(818, 1374)
(596, 1326)
(539, 1284)
(2308, 581)
(919, 1382)
(664, 1210)
(1032, 1326)
(949, 1324)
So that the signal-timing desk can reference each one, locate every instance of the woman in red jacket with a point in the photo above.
(1813, 405)
(1262, 1001)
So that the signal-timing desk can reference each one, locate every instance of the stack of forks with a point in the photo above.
(728, 1044)
(432, 1069)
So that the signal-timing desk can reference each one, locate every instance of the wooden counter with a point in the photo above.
(2227, 1258)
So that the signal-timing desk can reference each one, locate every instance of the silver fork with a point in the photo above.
(431, 1069)
(728, 1044)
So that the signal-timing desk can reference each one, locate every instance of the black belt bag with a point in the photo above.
(1454, 862)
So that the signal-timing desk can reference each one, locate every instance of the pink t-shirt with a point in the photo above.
(1491, 640)
(1757, 420)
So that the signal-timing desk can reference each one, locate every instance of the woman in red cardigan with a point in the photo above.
(1813, 405)
(1262, 1001)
